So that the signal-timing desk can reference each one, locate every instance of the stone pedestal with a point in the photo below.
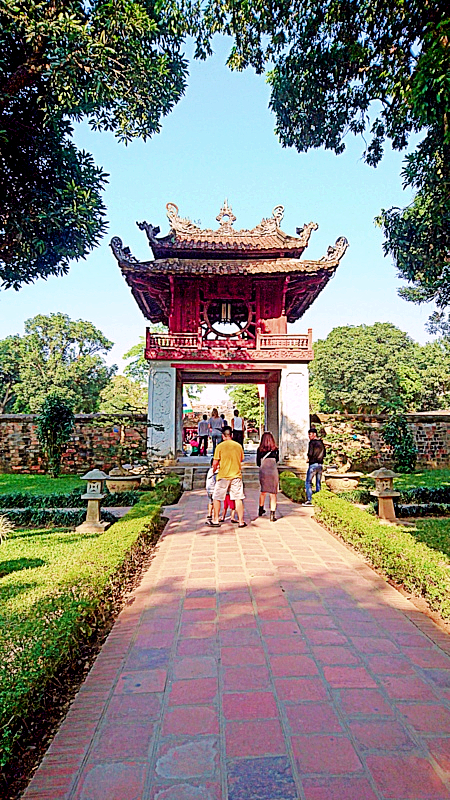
(93, 523)
(161, 409)
(294, 416)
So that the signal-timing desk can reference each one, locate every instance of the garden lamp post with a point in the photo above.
(94, 495)
(384, 490)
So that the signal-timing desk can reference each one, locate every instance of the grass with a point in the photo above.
(55, 586)
(433, 532)
(39, 484)
(426, 477)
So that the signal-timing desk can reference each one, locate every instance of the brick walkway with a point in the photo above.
(268, 663)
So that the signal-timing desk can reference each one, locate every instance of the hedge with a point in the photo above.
(58, 598)
(392, 549)
(58, 517)
(66, 500)
(292, 487)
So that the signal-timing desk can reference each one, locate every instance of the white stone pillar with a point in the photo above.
(161, 409)
(271, 408)
(294, 407)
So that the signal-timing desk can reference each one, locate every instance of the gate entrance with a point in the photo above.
(226, 297)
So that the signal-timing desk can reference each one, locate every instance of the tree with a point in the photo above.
(61, 356)
(138, 367)
(117, 64)
(366, 369)
(246, 399)
(122, 394)
(397, 434)
(378, 70)
(55, 423)
(9, 371)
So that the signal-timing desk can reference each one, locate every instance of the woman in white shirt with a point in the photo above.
(238, 425)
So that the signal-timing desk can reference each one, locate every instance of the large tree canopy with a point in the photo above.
(379, 69)
(56, 355)
(117, 63)
(375, 368)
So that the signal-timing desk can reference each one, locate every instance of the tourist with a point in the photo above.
(215, 428)
(316, 455)
(209, 486)
(228, 503)
(228, 458)
(238, 426)
(267, 457)
(224, 422)
(203, 429)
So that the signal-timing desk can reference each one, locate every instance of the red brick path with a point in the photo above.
(268, 663)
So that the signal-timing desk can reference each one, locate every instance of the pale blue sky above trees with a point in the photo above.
(219, 143)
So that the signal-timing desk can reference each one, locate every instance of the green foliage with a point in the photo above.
(347, 443)
(55, 423)
(67, 500)
(365, 368)
(374, 368)
(10, 363)
(122, 394)
(423, 510)
(56, 355)
(56, 517)
(117, 64)
(56, 588)
(246, 399)
(292, 487)
(380, 71)
(423, 478)
(398, 436)
(394, 550)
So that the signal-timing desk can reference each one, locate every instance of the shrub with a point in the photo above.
(292, 487)
(58, 517)
(66, 500)
(62, 603)
(393, 549)
(397, 434)
(55, 422)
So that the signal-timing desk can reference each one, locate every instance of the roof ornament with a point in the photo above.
(122, 253)
(335, 251)
(225, 218)
(151, 230)
(305, 232)
(178, 224)
(278, 214)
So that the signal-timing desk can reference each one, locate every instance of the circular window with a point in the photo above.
(227, 317)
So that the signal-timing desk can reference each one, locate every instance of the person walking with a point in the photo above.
(215, 428)
(316, 455)
(228, 458)
(203, 429)
(224, 422)
(238, 426)
(267, 457)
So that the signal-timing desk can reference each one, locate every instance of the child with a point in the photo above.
(229, 504)
(210, 484)
(195, 447)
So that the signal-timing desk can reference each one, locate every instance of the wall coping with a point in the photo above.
(413, 416)
(97, 417)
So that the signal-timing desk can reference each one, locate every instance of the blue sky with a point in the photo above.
(219, 143)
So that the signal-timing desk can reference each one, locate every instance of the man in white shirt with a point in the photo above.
(203, 435)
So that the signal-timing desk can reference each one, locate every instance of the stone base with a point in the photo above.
(93, 527)
(386, 509)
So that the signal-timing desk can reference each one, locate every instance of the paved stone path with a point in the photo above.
(268, 663)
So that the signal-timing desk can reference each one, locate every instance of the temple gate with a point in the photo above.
(226, 297)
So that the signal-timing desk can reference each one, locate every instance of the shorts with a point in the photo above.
(234, 487)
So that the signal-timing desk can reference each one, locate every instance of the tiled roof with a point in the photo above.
(187, 237)
(184, 266)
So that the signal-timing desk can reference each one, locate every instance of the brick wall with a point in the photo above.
(431, 433)
(94, 442)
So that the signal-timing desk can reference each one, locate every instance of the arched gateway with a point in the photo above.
(226, 297)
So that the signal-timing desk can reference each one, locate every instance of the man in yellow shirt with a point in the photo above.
(228, 458)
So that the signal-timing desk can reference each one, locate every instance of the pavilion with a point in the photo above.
(226, 297)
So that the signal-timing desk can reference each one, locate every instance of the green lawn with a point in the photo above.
(426, 477)
(39, 484)
(51, 585)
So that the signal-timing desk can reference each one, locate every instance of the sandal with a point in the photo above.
(244, 525)
(212, 524)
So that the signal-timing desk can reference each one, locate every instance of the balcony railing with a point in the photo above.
(266, 347)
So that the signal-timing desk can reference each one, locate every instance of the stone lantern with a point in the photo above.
(94, 495)
(384, 490)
